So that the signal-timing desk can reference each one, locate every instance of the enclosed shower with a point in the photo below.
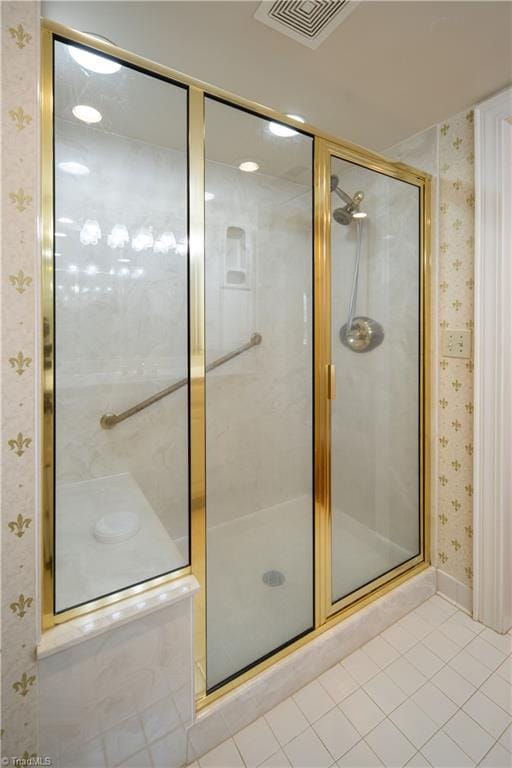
(234, 358)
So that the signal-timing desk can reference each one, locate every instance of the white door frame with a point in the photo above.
(492, 554)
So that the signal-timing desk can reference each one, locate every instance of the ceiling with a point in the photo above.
(390, 70)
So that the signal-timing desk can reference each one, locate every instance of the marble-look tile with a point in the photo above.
(171, 750)
(124, 740)
(133, 684)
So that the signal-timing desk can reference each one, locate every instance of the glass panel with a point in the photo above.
(121, 326)
(259, 405)
(375, 266)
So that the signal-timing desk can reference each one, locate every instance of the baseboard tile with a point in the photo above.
(455, 591)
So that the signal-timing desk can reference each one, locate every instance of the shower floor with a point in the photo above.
(247, 618)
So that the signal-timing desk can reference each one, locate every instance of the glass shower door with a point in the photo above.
(375, 348)
(259, 430)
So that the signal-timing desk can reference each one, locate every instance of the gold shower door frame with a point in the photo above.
(326, 614)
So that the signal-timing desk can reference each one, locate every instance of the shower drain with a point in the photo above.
(273, 578)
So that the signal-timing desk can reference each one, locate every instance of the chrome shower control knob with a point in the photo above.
(364, 334)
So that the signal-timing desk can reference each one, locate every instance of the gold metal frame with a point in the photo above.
(325, 146)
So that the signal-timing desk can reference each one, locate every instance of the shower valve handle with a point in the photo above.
(331, 382)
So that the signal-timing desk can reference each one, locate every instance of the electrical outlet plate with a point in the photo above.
(456, 343)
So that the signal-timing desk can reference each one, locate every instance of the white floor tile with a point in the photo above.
(485, 652)
(380, 651)
(385, 693)
(314, 701)
(502, 642)
(390, 745)
(456, 687)
(429, 615)
(400, 638)
(338, 682)
(436, 655)
(336, 732)
(226, 755)
(505, 670)
(497, 757)
(286, 721)
(506, 739)
(256, 742)
(442, 605)
(497, 689)
(360, 756)
(415, 625)
(277, 760)
(424, 660)
(360, 666)
(414, 723)
(306, 751)
(405, 675)
(460, 634)
(435, 611)
(470, 737)
(441, 645)
(362, 711)
(470, 668)
(434, 703)
(442, 752)
(464, 620)
(491, 717)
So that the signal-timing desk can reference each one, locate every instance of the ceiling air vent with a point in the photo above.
(308, 22)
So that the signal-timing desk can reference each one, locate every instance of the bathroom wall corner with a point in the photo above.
(447, 152)
(455, 591)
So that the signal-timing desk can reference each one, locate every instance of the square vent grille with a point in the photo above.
(308, 22)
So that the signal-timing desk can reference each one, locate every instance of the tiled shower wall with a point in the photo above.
(19, 365)
(19, 376)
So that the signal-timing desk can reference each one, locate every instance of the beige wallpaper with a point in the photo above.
(456, 258)
(18, 370)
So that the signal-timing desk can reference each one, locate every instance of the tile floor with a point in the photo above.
(434, 689)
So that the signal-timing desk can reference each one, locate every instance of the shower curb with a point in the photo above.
(252, 699)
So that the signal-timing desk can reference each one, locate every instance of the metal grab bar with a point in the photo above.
(109, 420)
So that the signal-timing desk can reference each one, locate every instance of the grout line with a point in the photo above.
(360, 687)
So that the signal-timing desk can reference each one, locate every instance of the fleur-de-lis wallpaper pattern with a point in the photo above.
(455, 423)
(20, 55)
(20, 125)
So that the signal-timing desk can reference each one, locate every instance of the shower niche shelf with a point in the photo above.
(236, 261)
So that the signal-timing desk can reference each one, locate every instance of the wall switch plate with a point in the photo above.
(456, 343)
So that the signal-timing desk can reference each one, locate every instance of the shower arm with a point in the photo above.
(355, 279)
(343, 196)
(109, 420)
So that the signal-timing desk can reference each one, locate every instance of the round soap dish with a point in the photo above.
(115, 527)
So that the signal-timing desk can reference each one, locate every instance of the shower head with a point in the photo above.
(344, 215)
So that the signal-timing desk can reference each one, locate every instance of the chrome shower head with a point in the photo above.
(344, 215)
